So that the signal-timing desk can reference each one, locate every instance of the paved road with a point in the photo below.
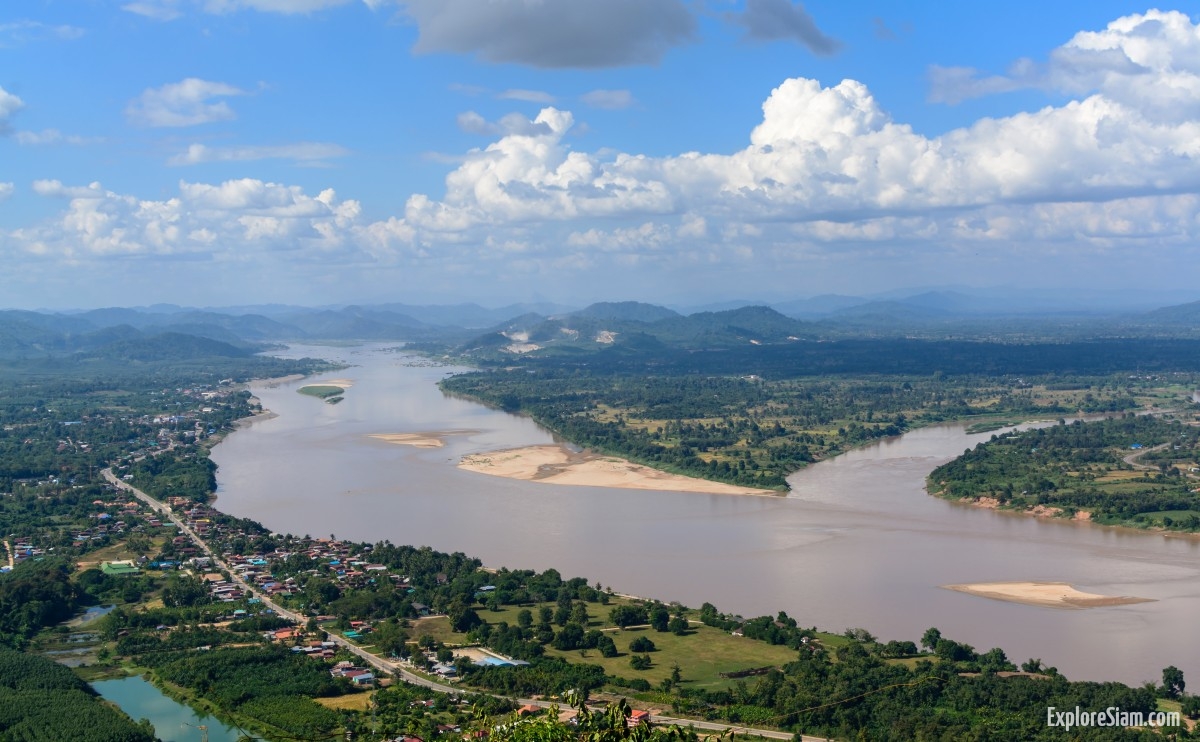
(394, 667)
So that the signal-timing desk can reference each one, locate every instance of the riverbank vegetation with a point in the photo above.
(754, 431)
(1129, 470)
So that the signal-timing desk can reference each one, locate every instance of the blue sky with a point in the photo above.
(212, 152)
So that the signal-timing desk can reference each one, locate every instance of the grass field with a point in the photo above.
(438, 627)
(352, 702)
(702, 654)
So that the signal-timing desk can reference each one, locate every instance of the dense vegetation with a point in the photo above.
(45, 702)
(1082, 466)
(753, 431)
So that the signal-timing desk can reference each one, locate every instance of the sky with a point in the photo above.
(234, 152)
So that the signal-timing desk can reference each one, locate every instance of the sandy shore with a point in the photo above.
(558, 465)
(1053, 594)
(340, 383)
(418, 440)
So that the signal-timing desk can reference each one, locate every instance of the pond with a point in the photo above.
(172, 720)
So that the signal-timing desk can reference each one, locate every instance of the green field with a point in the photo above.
(702, 654)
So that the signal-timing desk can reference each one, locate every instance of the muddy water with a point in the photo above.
(857, 543)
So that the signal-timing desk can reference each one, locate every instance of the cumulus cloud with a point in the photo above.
(783, 20)
(237, 215)
(6, 190)
(608, 99)
(185, 103)
(9, 104)
(1150, 59)
(831, 153)
(553, 33)
(18, 33)
(304, 153)
(514, 123)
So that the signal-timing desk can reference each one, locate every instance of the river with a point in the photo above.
(856, 543)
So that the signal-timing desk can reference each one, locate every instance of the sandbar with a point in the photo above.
(418, 440)
(552, 464)
(342, 383)
(1052, 594)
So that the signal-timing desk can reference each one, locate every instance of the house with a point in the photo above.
(636, 717)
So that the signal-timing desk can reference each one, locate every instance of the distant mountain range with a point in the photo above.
(553, 328)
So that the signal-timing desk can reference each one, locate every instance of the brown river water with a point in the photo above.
(856, 543)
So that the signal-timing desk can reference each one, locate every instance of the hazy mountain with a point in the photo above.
(1180, 314)
(473, 315)
(817, 306)
(625, 311)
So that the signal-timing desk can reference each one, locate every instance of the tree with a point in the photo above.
(660, 618)
(930, 638)
(607, 646)
(678, 625)
(1172, 685)
(1191, 706)
(628, 615)
(642, 644)
(525, 618)
(640, 662)
(579, 614)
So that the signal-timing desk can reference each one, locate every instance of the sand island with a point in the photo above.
(1051, 594)
(553, 464)
(418, 440)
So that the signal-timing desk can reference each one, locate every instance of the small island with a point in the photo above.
(1140, 471)
(330, 390)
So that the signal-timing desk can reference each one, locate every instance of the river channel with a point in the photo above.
(856, 543)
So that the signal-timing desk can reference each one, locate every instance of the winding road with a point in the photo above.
(393, 667)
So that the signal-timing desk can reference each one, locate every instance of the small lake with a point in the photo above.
(172, 720)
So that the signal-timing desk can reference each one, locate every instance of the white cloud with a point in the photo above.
(55, 189)
(9, 104)
(287, 7)
(304, 153)
(159, 10)
(18, 33)
(234, 216)
(608, 99)
(185, 103)
(1150, 59)
(529, 96)
(6, 190)
(553, 33)
(52, 136)
(169, 10)
(513, 123)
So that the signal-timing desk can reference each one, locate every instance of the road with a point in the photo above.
(394, 667)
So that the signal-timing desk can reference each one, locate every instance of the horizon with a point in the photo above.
(659, 151)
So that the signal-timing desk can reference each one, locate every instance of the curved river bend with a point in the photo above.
(857, 542)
